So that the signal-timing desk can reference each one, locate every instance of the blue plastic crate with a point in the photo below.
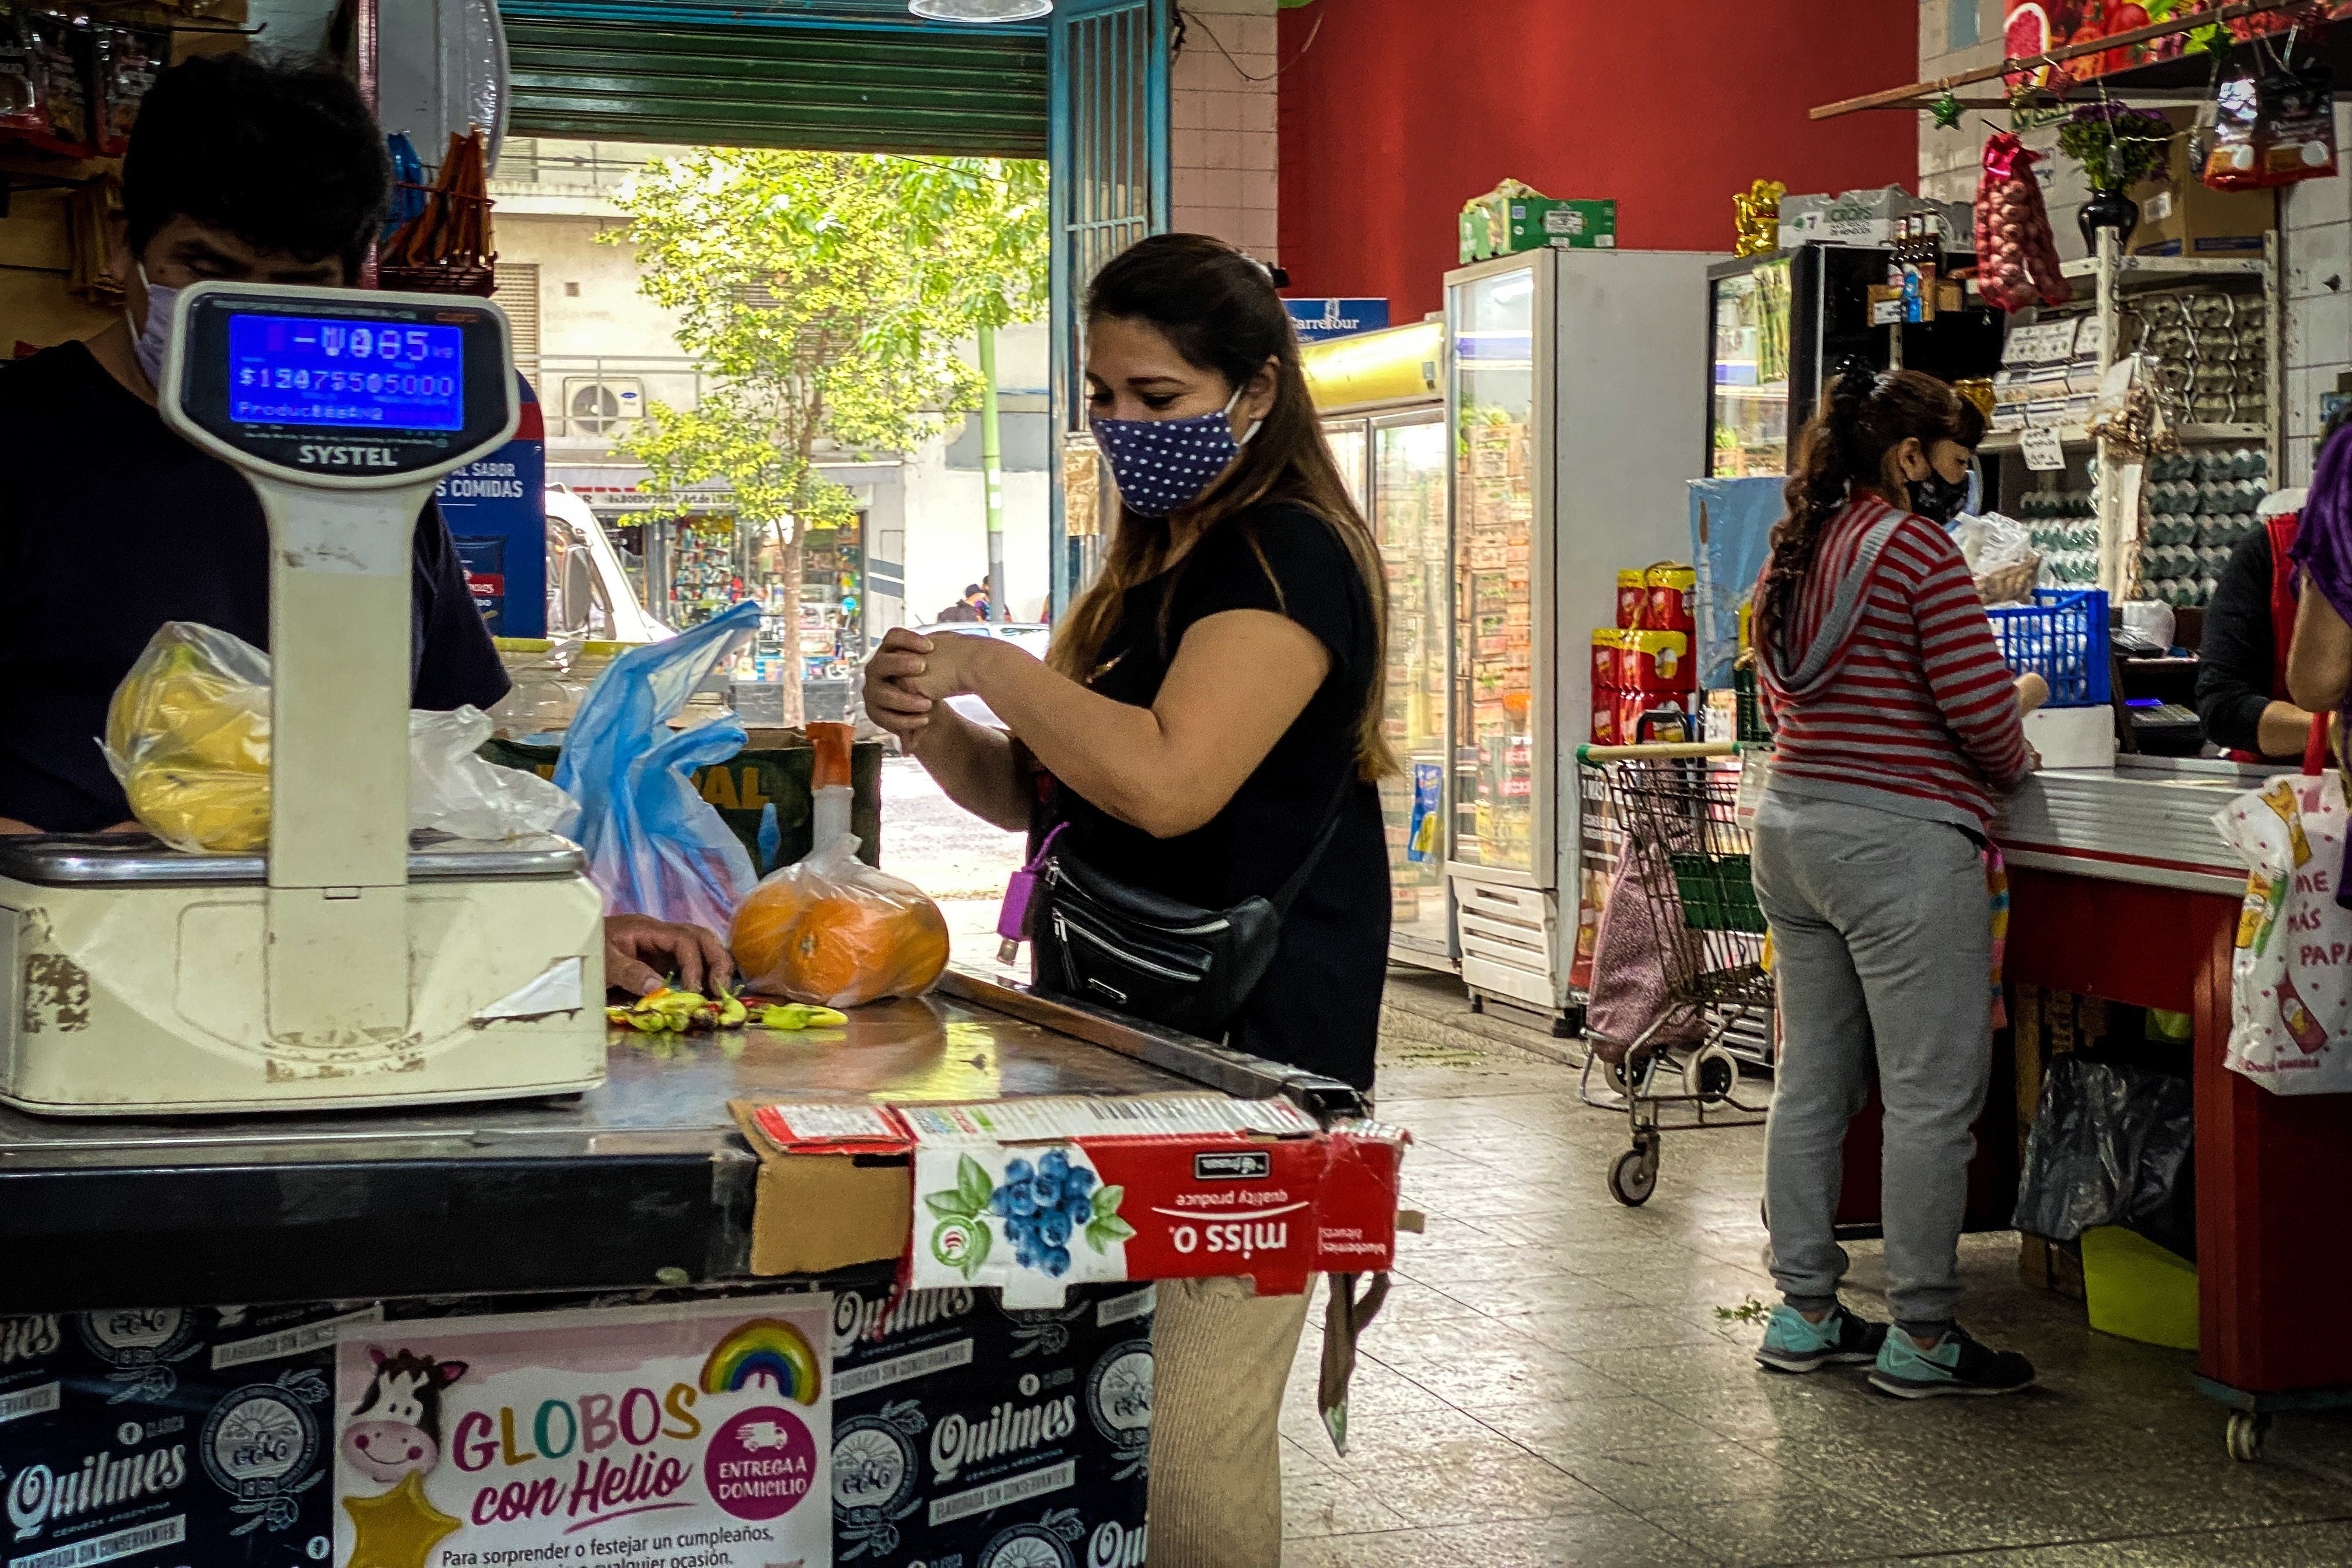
(2063, 637)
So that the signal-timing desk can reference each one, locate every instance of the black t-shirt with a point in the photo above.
(2237, 667)
(111, 525)
(1318, 1007)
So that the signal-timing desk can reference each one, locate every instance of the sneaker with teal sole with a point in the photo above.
(1792, 1342)
(1957, 1365)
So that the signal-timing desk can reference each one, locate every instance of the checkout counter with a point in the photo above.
(321, 1204)
(2120, 888)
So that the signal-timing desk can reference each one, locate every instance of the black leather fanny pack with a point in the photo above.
(1169, 963)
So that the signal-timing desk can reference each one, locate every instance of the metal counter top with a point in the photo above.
(644, 1178)
(2147, 820)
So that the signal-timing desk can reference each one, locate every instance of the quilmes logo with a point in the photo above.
(322, 456)
(22, 1339)
(855, 1318)
(875, 1465)
(140, 1346)
(1118, 1397)
(1045, 1544)
(1116, 1545)
(1233, 1166)
(259, 1446)
(38, 1496)
(1008, 1428)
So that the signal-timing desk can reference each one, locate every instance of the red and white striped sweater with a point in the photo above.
(1888, 690)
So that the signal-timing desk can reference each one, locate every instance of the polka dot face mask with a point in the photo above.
(1161, 465)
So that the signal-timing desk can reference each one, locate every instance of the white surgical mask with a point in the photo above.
(152, 337)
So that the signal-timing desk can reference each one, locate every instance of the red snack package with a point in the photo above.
(2017, 261)
(2240, 135)
(1608, 656)
(2301, 114)
(125, 61)
(20, 79)
(60, 48)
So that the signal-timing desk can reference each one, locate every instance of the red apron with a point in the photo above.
(2282, 610)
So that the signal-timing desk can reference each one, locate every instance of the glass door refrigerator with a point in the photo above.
(1781, 324)
(1384, 410)
(1573, 436)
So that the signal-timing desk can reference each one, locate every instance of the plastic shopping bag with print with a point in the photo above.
(2290, 974)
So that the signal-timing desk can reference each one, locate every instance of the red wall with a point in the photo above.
(1403, 110)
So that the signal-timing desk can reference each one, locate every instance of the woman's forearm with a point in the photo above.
(2319, 662)
(976, 767)
(1111, 754)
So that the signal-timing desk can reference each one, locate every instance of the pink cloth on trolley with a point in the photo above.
(1628, 967)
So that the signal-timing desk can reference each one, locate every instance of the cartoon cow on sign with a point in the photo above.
(396, 1426)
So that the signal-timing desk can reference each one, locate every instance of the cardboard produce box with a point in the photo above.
(774, 768)
(1498, 224)
(2180, 214)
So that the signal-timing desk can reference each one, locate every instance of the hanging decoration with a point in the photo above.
(1756, 218)
(1947, 111)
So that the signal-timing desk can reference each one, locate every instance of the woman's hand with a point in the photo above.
(950, 666)
(890, 701)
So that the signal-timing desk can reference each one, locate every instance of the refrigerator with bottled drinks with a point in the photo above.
(1384, 417)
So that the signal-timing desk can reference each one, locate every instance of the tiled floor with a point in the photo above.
(1549, 1383)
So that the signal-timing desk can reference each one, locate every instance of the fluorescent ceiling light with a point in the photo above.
(982, 10)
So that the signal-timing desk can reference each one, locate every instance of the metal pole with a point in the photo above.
(991, 472)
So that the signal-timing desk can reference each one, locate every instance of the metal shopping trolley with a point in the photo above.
(1674, 813)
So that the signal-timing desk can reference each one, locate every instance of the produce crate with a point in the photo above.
(777, 768)
(2063, 637)
(1718, 891)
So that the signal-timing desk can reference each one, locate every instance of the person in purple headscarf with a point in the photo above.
(2319, 665)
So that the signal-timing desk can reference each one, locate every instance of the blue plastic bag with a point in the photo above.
(408, 185)
(655, 846)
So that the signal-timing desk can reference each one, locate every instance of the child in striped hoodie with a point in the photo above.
(1898, 733)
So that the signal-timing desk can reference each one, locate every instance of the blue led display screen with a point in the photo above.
(299, 370)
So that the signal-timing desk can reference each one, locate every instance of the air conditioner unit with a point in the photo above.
(595, 405)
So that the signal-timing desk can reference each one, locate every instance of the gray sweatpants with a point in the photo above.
(1881, 935)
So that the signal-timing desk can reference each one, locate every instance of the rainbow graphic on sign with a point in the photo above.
(765, 1348)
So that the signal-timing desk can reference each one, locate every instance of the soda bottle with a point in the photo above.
(2280, 797)
(2309, 1037)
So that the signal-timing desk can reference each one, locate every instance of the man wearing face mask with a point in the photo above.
(111, 525)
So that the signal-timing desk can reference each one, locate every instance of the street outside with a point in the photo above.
(959, 860)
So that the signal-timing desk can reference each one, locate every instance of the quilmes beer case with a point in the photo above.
(968, 1435)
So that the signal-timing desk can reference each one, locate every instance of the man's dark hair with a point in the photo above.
(285, 159)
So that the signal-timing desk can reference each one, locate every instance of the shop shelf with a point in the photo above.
(2061, 637)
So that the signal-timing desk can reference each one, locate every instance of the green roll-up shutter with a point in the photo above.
(826, 75)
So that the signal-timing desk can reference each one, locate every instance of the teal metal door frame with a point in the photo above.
(1107, 65)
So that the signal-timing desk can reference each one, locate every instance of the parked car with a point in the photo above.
(588, 590)
(1027, 636)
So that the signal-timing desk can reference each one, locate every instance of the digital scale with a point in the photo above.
(344, 969)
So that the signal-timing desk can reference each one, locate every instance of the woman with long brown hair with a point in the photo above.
(1205, 736)
(1897, 730)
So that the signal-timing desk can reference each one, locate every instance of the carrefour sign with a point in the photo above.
(1318, 318)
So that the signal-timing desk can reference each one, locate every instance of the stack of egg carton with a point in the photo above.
(2209, 350)
(2199, 506)
(2065, 525)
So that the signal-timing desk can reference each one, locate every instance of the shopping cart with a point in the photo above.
(1673, 811)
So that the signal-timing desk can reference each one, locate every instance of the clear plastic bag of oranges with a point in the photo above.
(832, 931)
(829, 928)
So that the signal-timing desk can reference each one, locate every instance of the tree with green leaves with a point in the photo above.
(825, 293)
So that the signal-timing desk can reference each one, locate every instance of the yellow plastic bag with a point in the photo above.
(188, 736)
